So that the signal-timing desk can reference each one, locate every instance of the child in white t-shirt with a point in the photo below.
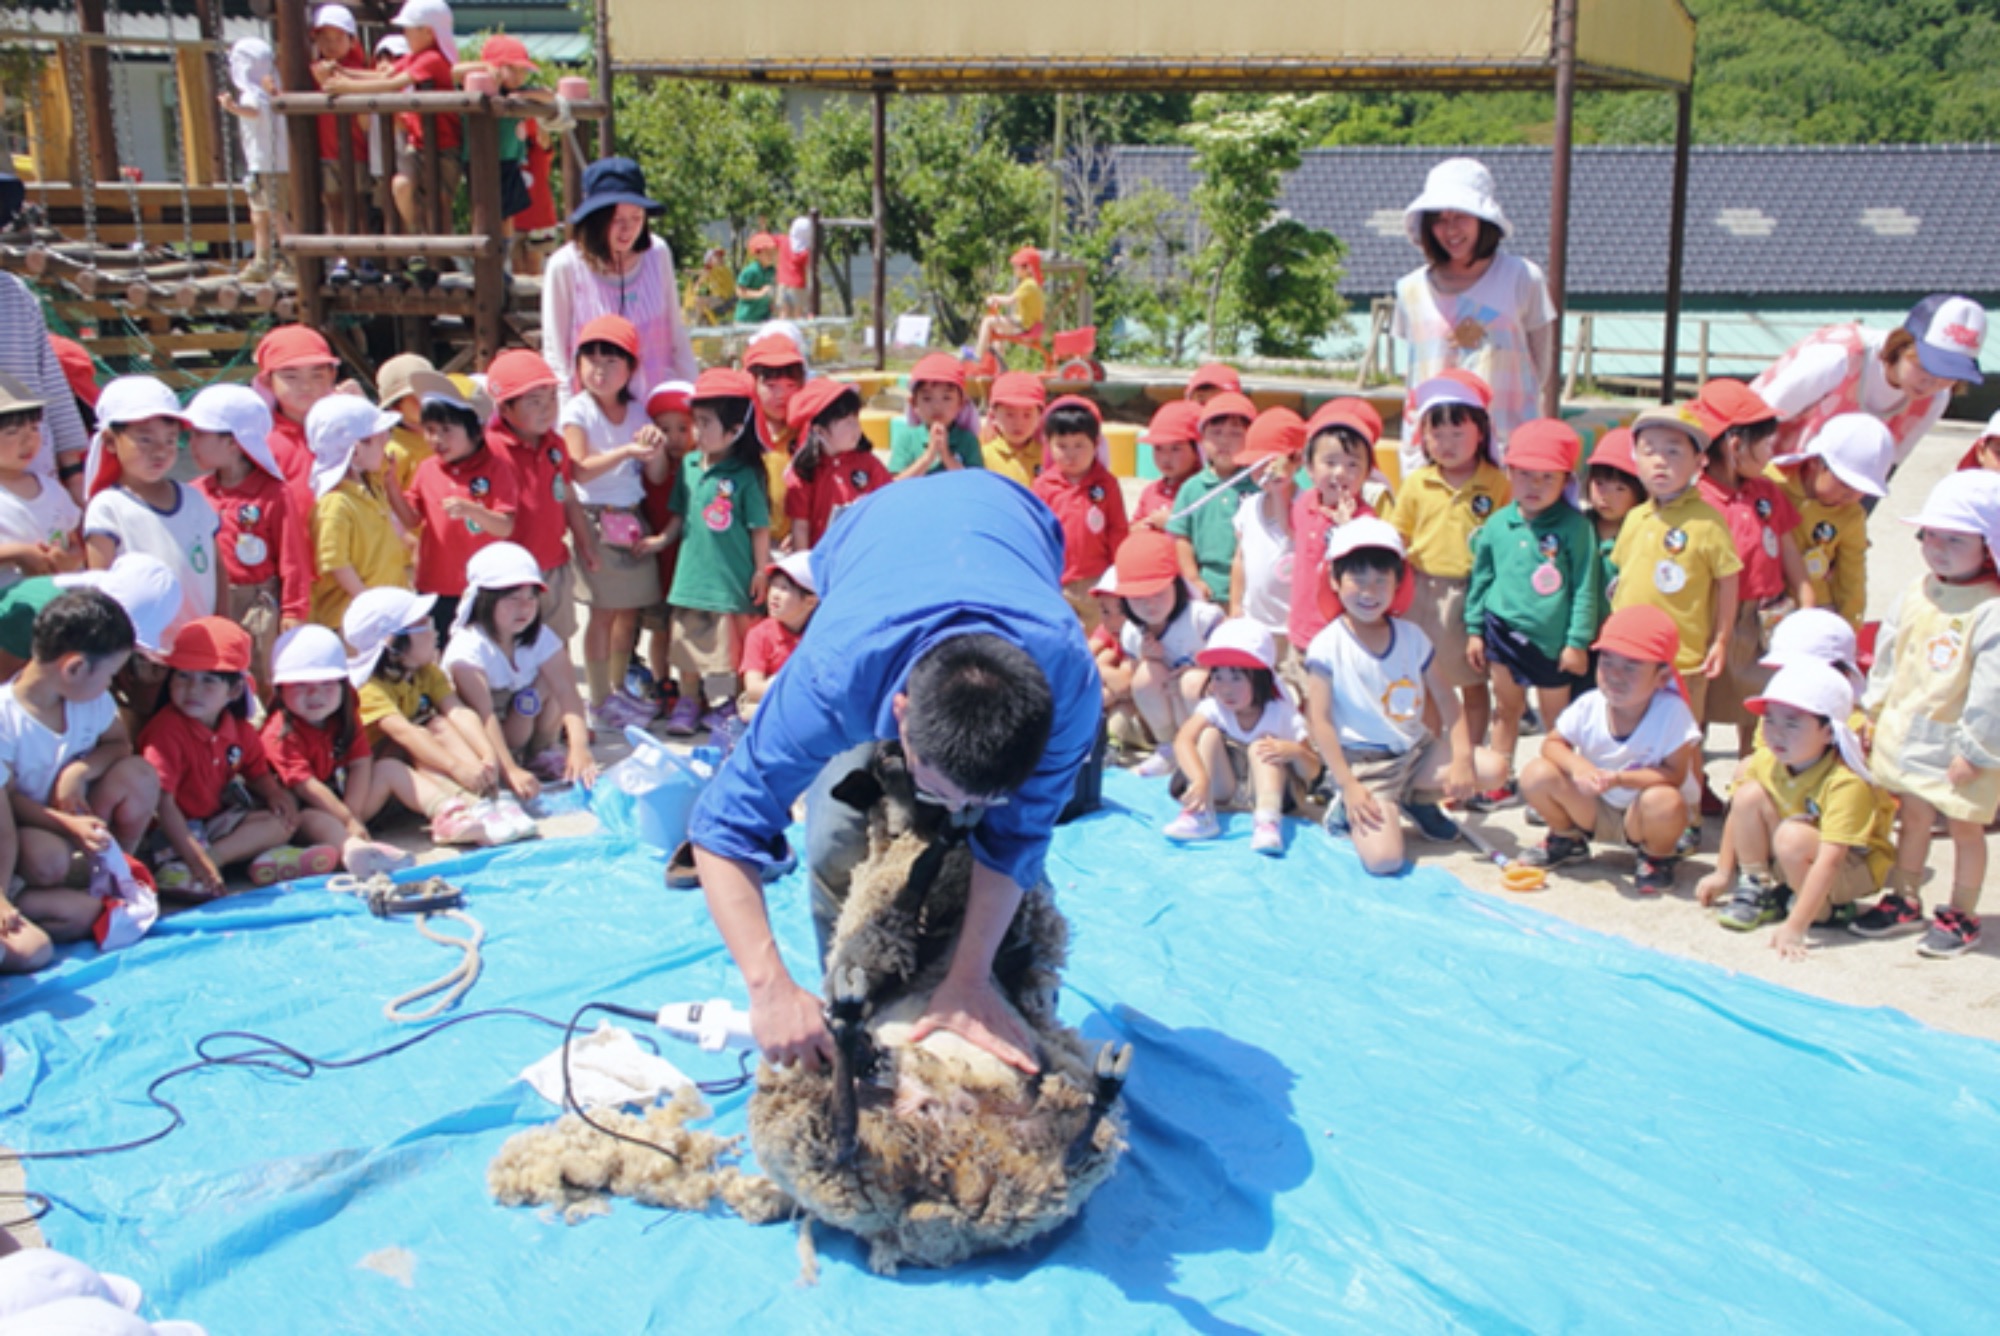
(1615, 765)
(1260, 577)
(1166, 627)
(1245, 733)
(38, 519)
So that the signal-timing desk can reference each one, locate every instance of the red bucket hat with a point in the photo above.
(500, 49)
(615, 330)
(1176, 421)
(817, 396)
(1146, 564)
(938, 369)
(772, 350)
(77, 368)
(1018, 389)
(288, 346)
(210, 645)
(675, 396)
(1645, 633)
(1228, 404)
(515, 372)
(1544, 445)
(1277, 432)
(1029, 256)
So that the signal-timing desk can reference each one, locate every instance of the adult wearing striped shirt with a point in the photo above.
(26, 355)
(614, 265)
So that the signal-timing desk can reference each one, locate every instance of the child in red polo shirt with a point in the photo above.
(1340, 461)
(464, 495)
(790, 598)
(1175, 436)
(427, 27)
(833, 466)
(526, 401)
(1085, 498)
(296, 366)
(220, 803)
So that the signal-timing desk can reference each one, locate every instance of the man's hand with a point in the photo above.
(975, 1013)
(790, 1027)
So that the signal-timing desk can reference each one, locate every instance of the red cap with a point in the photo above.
(938, 369)
(1544, 445)
(615, 330)
(1357, 415)
(1018, 389)
(1176, 421)
(1146, 564)
(761, 241)
(1215, 376)
(1725, 403)
(818, 396)
(1029, 256)
(1075, 401)
(500, 49)
(515, 372)
(676, 396)
(772, 350)
(721, 382)
(1228, 404)
(1277, 432)
(1643, 632)
(77, 368)
(1614, 450)
(288, 346)
(210, 645)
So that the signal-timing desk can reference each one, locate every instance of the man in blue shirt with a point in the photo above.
(942, 625)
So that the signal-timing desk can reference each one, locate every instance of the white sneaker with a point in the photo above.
(1192, 826)
(1157, 766)
(1268, 836)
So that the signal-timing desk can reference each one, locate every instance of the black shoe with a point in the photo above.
(1952, 933)
(1656, 875)
(339, 276)
(1557, 851)
(368, 273)
(1754, 903)
(1888, 916)
(1431, 820)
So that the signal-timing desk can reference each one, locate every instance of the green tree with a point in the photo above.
(712, 153)
(836, 176)
(1138, 249)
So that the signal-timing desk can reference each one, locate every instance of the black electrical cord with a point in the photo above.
(743, 1077)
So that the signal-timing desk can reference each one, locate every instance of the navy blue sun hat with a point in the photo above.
(612, 181)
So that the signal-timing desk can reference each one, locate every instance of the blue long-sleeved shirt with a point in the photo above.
(915, 564)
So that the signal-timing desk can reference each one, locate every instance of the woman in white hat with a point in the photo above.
(1471, 305)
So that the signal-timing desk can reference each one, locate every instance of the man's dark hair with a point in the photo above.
(82, 621)
(980, 712)
(1367, 560)
(1071, 420)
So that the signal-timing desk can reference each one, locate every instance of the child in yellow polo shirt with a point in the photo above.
(355, 543)
(1436, 513)
(1847, 459)
(1674, 550)
(1809, 804)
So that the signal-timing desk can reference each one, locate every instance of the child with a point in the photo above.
(1085, 498)
(296, 367)
(1205, 534)
(427, 27)
(1809, 805)
(1016, 312)
(1244, 733)
(1211, 379)
(1674, 551)
(516, 676)
(526, 404)
(1984, 453)
(506, 58)
(1122, 724)
(1615, 761)
(1174, 436)
(465, 495)
(725, 540)
(1440, 507)
(833, 466)
(1340, 461)
(134, 506)
(395, 380)
(73, 782)
(337, 51)
(778, 367)
(1165, 628)
(940, 430)
(711, 293)
(758, 282)
(411, 714)
(1260, 575)
(264, 547)
(671, 409)
(1013, 445)
(1371, 677)
(790, 599)
(1847, 459)
(267, 155)
(1764, 524)
(1934, 694)
(1531, 606)
(610, 461)
(38, 518)
(319, 749)
(1613, 489)
(220, 803)
(355, 543)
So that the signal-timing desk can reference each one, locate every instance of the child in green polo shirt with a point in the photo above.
(1204, 529)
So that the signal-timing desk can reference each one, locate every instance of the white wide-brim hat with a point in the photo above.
(1815, 635)
(373, 619)
(1821, 689)
(309, 653)
(239, 412)
(1462, 185)
(1857, 447)
(145, 587)
(496, 566)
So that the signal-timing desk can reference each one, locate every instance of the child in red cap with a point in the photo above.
(833, 467)
(758, 283)
(1616, 761)
(1017, 312)
(1085, 498)
(1211, 379)
(1531, 606)
(1165, 629)
(940, 429)
(777, 364)
(526, 402)
(297, 368)
(1340, 462)
(1012, 445)
(1204, 524)
(1611, 491)
(1260, 576)
(1175, 438)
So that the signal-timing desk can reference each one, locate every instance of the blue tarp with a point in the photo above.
(1355, 1104)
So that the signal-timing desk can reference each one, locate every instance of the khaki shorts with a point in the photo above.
(1610, 827)
(451, 171)
(1439, 608)
(1077, 593)
(624, 579)
(1742, 677)
(1853, 880)
(255, 609)
(706, 644)
(559, 601)
(329, 177)
(1392, 776)
(1697, 689)
(271, 192)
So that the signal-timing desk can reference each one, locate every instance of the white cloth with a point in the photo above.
(1280, 720)
(1817, 371)
(1183, 638)
(574, 294)
(1484, 330)
(472, 648)
(625, 484)
(183, 538)
(1668, 726)
(607, 1069)
(1378, 704)
(1266, 548)
(33, 754)
(50, 518)
(266, 149)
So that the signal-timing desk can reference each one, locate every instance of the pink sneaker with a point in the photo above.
(457, 822)
(289, 863)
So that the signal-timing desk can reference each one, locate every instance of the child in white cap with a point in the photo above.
(1244, 738)
(789, 598)
(1843, 469)
(1934, 694)
(1808, 830)
(355, 542)
(38, 519)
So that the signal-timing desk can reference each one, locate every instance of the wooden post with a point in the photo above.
(201, 152)
(435, 216)
(489, 270)
(50, 131)
(881, 232)
(1676, 244)
(208, 17)
(812, 266)
(294, 25)
(607, 132)
(97, 95)
(1558, 267)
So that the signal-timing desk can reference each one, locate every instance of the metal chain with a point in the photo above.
(187, 114)
(81, 167)
(38, 141)
(124, 103)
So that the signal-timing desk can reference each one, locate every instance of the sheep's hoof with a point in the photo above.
(1111, 1068)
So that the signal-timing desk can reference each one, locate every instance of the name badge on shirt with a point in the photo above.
(251, 550)
(1670, 577)
(1770, 543)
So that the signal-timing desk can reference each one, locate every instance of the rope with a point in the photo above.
(385, 898)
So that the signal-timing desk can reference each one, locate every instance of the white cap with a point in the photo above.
(36, 1276)
(1815, 635)
(144, 586)
(1964, 501)
(1992, 426)
(373, 619)
(90, 1317)
(1367, 531)
(240, 412)
(251, 61)
(1821, 689)
(127, 399)
(1239, 643)
(1950, 332)
(1857, 447)
(1461, 185)
(334, 427)
(496, 566)
(392, 44)
(336, 16)
(432, 14)
(309, 653)
(797, 567)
